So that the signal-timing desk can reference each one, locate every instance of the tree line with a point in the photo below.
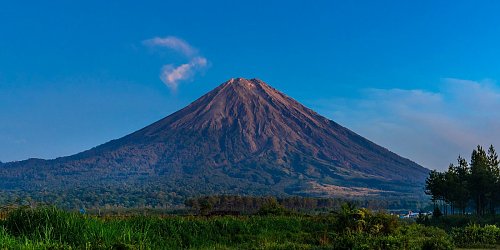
(252, 204)
(467, 186)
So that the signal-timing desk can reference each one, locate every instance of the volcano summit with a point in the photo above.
(244, 137)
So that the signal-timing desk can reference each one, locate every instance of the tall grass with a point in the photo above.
(50, 228)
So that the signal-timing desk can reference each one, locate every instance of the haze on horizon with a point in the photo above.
(418, 78)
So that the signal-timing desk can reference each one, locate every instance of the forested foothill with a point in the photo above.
(464, 200)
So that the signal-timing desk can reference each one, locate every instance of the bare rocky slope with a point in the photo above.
(243, 137)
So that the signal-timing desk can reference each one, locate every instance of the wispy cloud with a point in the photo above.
(431, 128)
(171, 75)
(173, 43)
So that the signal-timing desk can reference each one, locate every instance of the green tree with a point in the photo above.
(206, 206)
(481, 179)
(435, 186)
(460, 187)
(478, 181)
(494, 169)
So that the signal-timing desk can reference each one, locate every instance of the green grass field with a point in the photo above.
(50, 228)
(271, 228)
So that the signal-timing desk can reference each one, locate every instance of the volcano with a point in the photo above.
(244, 137)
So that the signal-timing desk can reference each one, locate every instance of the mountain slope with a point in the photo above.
(243, 137)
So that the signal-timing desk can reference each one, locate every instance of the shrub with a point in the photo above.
(476, 236)
(382, 224)
(437, 244)
(272, 207)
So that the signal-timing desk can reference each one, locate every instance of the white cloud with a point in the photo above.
(431, 128)
(171, 74)
(173, 43)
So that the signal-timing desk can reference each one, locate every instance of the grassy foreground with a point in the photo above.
(50, 228)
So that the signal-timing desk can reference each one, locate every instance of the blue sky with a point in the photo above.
(418, 78)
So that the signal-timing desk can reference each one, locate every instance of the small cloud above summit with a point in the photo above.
(171, 75)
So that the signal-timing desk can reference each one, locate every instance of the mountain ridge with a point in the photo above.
(243, 137)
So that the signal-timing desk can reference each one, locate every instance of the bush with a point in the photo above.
(418, 236)
(382, 223)
(476, 236)
(272, 207)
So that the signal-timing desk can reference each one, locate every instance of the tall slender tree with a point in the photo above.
(495, 172)
(461, 191)
(434, 186)
(480, 179)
